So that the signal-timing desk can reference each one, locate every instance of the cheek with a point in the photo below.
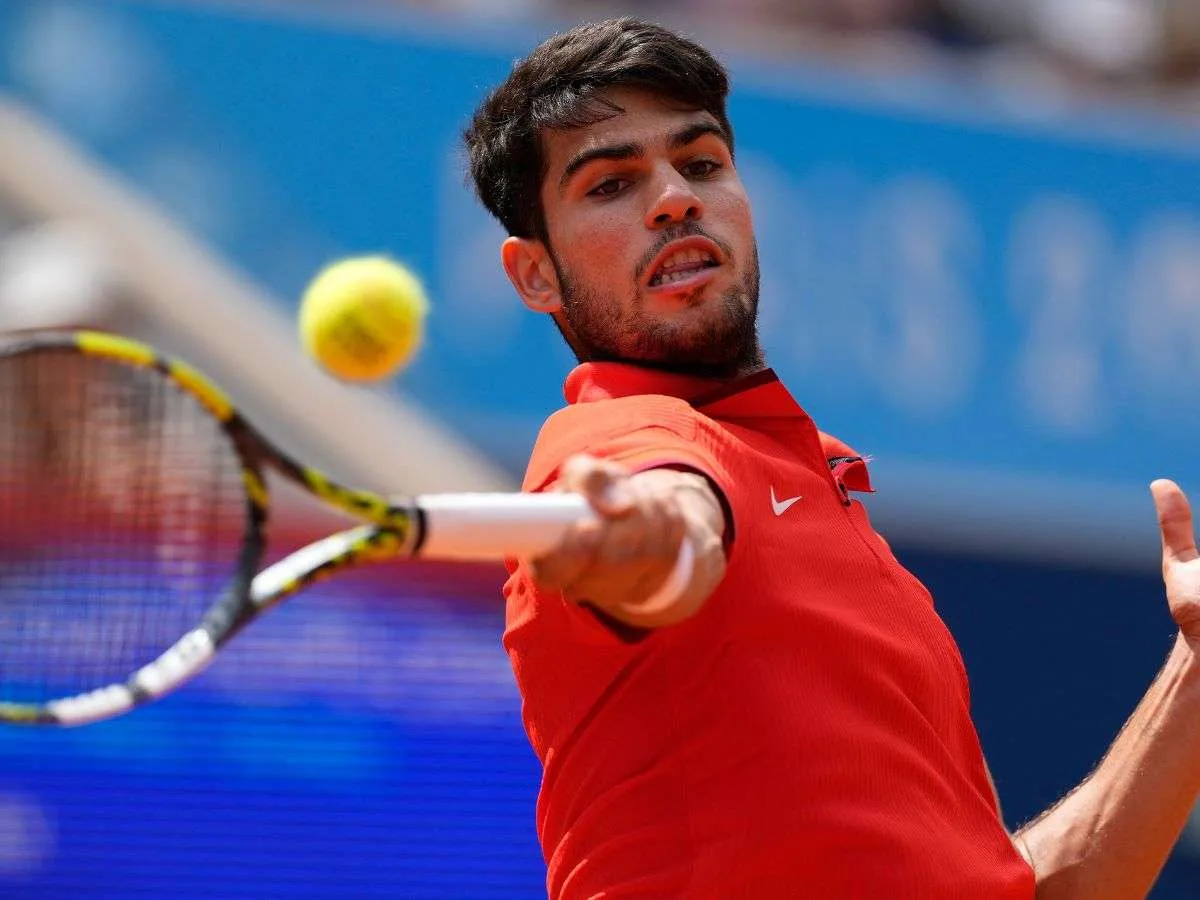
(597, 244)
(733, 209)
(747, 217)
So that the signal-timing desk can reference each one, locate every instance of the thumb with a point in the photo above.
(1174, 521)
(604, 484)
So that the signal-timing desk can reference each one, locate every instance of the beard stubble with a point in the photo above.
(720, 344)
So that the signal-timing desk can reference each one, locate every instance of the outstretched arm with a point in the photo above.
(1110, 836)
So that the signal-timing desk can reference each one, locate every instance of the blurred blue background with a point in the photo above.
(980, 236)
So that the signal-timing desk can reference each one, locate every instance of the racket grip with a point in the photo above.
(489, 527)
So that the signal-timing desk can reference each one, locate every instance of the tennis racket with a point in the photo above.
(133, 523)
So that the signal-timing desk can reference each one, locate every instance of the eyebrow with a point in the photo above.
(675, 141)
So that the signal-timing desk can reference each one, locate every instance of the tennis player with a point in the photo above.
(783, 714)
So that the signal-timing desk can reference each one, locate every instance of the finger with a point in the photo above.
(648, 530)
(1174, 521)
(566, 563)
(605, 484)
(664, 527)
(635, 553)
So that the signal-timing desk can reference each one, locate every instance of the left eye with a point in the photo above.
(701, 168)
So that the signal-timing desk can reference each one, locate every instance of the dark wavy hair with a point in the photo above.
(558, 86)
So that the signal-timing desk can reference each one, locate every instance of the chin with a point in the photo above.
(686, 301)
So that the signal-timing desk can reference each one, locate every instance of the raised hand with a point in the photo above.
(1181, 560)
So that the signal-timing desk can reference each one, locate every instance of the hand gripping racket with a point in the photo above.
(133, 524)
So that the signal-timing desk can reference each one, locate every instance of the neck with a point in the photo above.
(710, 371)
(749, 361)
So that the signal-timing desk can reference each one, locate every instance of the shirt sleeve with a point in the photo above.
(671, 443)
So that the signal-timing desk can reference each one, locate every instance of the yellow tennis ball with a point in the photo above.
(363, 318)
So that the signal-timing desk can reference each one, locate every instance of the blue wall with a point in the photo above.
(363, 741)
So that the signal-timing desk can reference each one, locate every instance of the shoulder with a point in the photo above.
(627, 429)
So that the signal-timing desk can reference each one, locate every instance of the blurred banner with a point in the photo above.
(999, 310)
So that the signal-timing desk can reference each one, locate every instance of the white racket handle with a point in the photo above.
(495, 526)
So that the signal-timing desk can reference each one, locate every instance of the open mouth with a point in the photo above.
(682, 263)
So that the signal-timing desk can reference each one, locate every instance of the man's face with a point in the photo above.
(651, 240)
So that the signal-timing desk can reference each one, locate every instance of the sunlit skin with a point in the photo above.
(618, 197)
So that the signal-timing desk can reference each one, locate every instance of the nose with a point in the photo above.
(675, 200)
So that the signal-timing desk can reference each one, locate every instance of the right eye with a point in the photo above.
(609, 187)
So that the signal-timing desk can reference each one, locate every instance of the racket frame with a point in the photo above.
(395, 530)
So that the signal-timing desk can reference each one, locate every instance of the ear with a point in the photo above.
(531, 271)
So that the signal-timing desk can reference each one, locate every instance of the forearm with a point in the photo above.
(1110, 837)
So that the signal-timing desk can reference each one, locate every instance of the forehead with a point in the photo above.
(646, 119)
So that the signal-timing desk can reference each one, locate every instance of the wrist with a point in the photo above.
(1186, 652)
(1180, 673)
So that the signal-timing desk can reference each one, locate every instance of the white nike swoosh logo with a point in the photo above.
(781, 506)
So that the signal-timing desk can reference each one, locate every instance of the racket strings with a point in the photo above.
(121, 515)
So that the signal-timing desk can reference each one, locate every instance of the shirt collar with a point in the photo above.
(761, 394)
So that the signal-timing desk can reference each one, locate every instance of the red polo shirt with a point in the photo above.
(806, 734)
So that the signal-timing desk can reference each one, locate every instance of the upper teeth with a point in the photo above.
(680, 259)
